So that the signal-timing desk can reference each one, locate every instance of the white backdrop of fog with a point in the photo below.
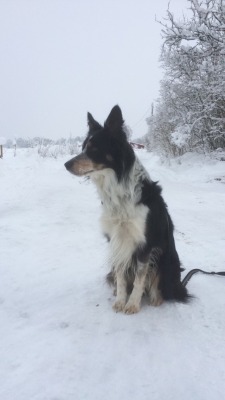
(62, 58)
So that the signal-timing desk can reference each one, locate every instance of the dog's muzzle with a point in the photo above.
(80, 165)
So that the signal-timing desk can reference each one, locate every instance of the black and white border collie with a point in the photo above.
(135, 219)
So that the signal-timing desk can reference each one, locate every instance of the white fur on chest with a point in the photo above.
(123, 218)
(125, 233)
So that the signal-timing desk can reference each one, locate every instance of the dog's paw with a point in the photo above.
(118, 306)
(156, 301)
(131, 308)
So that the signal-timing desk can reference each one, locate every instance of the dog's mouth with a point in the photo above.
(88, 172)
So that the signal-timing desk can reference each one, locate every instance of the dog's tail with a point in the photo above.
(175, 291)
(180, 293)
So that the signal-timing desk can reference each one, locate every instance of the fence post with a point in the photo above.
(2, 142)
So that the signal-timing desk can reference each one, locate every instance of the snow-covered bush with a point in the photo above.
(58, 150)
(49, 147)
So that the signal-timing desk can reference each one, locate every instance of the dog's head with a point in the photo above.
(104, 147)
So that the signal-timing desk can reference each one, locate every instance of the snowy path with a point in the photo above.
(60, 339)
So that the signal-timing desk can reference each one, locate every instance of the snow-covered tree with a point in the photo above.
(190, 113)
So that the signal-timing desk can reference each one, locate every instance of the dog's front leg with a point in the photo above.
(134, 302)
(121, 291)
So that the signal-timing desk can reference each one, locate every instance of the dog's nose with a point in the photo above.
(68, 165)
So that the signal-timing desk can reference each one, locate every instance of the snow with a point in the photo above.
(60, 339)
(180, 136)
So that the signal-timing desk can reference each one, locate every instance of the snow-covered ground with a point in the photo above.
(60, 339)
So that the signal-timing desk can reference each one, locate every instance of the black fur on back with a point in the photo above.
(159, 233)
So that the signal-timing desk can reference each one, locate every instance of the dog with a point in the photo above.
(135, 218)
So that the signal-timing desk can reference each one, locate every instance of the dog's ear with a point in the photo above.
(93, 125)
(115, 119)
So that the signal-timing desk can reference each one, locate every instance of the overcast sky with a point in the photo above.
(62, 58)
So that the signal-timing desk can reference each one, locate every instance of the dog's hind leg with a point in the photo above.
(134, 302)
(153, 278)
(154, 293)
(121, 291)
